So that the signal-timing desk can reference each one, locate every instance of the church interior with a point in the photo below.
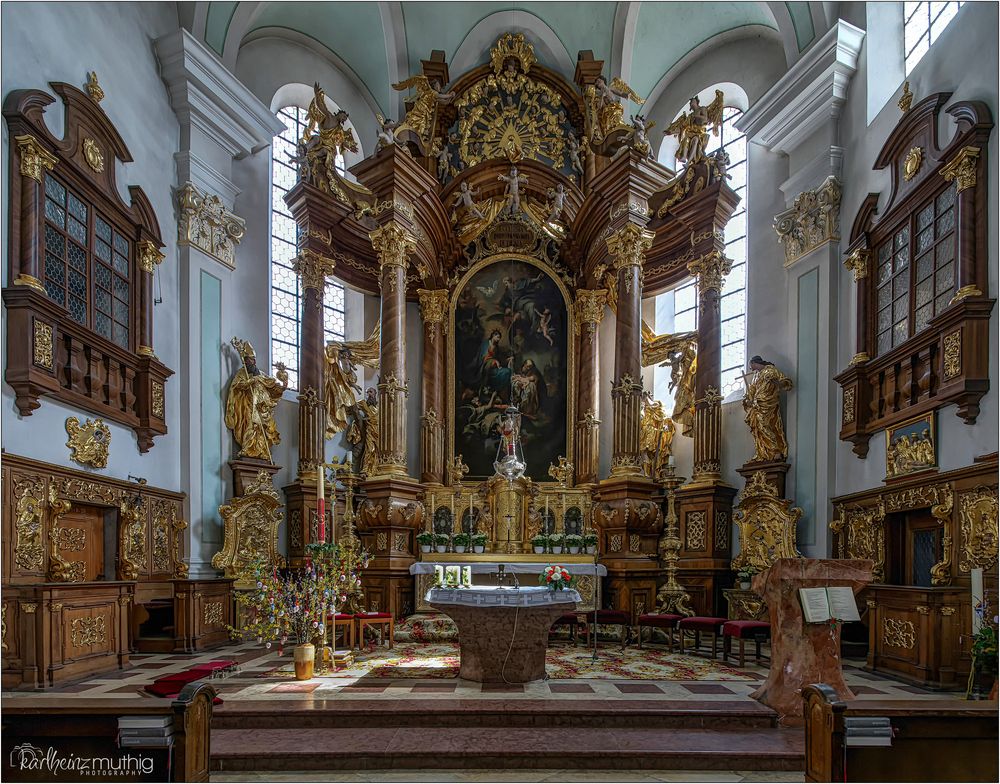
(438, 391)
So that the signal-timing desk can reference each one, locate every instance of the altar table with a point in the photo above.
(503, 632)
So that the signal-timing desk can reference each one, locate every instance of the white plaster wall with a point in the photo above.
(60, 42)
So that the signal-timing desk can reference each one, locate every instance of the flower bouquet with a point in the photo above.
(983, 673)
(555, 578)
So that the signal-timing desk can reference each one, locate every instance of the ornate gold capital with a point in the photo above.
(711, 270)
(149, 256)
(962, 168)
(30, 281)
(858, 358)
(34, 158)
(857, 262)
(393, 244)
(433, 305)
(312, 268)
(589, 308)
(628, 246)
(813, 220)
(206, 224)
(966, 291)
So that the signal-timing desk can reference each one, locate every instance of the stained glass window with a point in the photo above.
(922, 26)
(286, 290)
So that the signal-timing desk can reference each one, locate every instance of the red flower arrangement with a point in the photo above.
(555, 578)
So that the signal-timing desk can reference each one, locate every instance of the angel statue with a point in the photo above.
(765, 383)
(640, 141)
(656, 437)
(512, 191)
(420, 117)
(363, 434)
(326, 136)
(679, 351)
(465, 199)
(604, 111)
(575, 153)
(691, 128)
(341, 379)
(250, 404)
(386, 136)
(557, 202)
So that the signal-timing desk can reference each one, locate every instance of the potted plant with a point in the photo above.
(426, 540)
(441, 542)
(539, 543)
(556, 543)
(555, 578)
(743, 575)
(461, 542)
(479, 542)
(983, 674)
(590, 543)
(573, 543)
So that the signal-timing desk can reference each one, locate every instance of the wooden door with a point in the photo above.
(81, 539)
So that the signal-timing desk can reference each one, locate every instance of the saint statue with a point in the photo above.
(691, 128)
(640, 141)
(326, 136)
(420, 117)
(364, 431)
(765, 383)
(656, 437)
(250, 404)
(386, 132)
(341, 379)
(604, 110)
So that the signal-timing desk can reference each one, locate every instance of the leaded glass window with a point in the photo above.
(922, 26)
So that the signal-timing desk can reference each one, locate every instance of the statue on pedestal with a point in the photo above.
(604, 113)
(341, 378)
(250, 404)
(656, 437)
(763, 416)
(420, 116)
(691, 128)
(326, 136)
(364, 431)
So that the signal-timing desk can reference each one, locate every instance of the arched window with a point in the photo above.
(923, 23)
(285, 288)
(677, 310)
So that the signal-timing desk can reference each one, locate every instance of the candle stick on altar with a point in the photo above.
(321, 500)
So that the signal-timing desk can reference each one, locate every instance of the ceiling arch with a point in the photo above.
(474, 49)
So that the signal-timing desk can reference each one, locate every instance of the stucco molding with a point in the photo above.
(810, 95)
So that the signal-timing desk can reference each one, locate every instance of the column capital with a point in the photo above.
(393, 244)
(711, 270)
(589, 308)
(814, 219)
(961, 168)
(628, 245)
(34, 157)
(433, 305)
(313, 268)
(149, 256)
(857, 262)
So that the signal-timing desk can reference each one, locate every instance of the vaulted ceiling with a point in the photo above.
(382, 42)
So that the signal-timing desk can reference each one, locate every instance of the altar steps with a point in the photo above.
(453, 734)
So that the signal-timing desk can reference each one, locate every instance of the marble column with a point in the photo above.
(312, 269)
(710, 271)
(149, 258)
(433, 311)
(589, 310)
(628, 246)
(393, 244)
(962, 169)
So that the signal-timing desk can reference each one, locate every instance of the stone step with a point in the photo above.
(443, 712)
(301, 749)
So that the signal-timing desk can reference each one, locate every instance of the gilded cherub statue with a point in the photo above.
(640, 141)
(465, 201)
(386, 135)
(556, 203)
(250, 404)
(512, 190)
(326, 136)
(341, 378)
(765, 383)
(656, 437)
(691, 128)
(604, 113)
(420, 117)
(363, 434)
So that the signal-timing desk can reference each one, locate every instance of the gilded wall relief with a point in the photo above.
(132, 538)
(85, 632)
(29, 495)
(88, 443)
(977, 516)
(910, 447)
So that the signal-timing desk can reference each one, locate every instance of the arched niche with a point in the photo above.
(510, 341)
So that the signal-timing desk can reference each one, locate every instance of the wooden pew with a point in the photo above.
(89, 726)
(933, 740)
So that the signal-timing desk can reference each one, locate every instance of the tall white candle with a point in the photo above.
(977, 597)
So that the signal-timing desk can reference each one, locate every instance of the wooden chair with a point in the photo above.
(572, 620)
(608, 618)
(701, 624)
(383, 621)
(344, 621)
(666, 621)
(758, 631)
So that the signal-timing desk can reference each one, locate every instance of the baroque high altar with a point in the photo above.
(517, 209)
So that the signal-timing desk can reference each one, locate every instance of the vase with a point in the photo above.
(591, 549)
(425, 548)
(539, 550)
(305, 659)
(556, 549)
(574, 550)
(479, 548)
(459, 548)
(744, 585)
(442, 548)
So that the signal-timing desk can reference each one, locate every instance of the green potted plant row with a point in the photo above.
(441, 542)
(556, 543)
(479, 542)
(426, 541)
(573, 543)
(540, 543)
(461, 542)
(744, 575)
(590, 543)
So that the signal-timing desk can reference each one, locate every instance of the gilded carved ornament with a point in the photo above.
(87, 631)
(906, 99)
(42, 346)
(941, 511)
(131, 538)
(711, 271)
(35, 159)
(813, 219)
(861, 534)
(94, 90)
(628, 246)
(205, 223)
(767, 525)
(149, 256)
(393, 244)
(970, 290)
(60, 570)
(89, 443)
(848, 408)
(859, 358)
(952, 354)
(29, 495)
(589, 310)
(433, 307)
(92, 155)
(857, 262)
(250, 530)
(977, 517)
(313, 269)
(962, 168)
(898, 633)
(911, 163)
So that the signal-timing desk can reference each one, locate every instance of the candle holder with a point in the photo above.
(671, 598)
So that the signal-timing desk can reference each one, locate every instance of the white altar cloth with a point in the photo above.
(489, 596)
(427, 567)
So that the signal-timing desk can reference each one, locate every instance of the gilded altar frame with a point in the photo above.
(551, 272)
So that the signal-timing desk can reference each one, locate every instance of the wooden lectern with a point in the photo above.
(803, 653)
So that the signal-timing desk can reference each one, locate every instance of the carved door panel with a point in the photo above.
(81, 538)
(87, 631)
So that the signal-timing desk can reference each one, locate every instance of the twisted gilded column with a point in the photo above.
(393, 244)
(433, 309)
(312, 269)
(628, 246)
(710, 271)
(588, 312)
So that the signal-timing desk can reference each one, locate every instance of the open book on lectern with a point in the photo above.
(824, 604)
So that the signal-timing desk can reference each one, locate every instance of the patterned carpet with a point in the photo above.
(441, 660)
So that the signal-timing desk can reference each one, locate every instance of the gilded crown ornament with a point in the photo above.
(512, 45)
(94, 90)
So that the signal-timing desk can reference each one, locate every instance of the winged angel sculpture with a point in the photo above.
(341, 377)
(419, 119)
(679, 352)
(691, 128)
(604, 114)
